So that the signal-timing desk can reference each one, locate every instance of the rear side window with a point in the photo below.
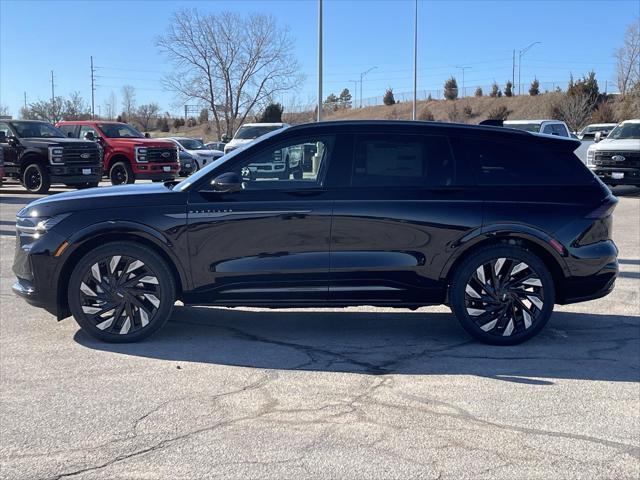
(67, 129)
(402, 160)
(513, 163)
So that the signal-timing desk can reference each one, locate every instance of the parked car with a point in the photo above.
(589, 132)
(497, 223)
(196, 149)
(215, 146)
(248, 132)
(1, 166)
(38, 154)
(547, 127)
(128, 154)
(616, 159)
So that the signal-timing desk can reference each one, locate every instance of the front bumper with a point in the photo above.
(631, 176)
(75, 174)
(156, 171)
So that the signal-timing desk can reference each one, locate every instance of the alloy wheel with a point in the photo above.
(32, 178)
(118, 175)
(504, 297)
(120, 295)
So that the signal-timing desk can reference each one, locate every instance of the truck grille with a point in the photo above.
(87, 154)
(159, 154)
(605, 159)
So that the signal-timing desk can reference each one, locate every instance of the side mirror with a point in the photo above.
(70, 134)
(227, 183)
(13, 141)
(597, 137)
(225, 138)
(90, 136)
(146, 135)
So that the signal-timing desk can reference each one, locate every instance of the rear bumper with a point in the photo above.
(597, 286)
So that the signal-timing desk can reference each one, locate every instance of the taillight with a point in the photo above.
(605, 209)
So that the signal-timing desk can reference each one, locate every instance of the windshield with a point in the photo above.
(598, 128)
(527, 127)
(119, 130)
(36, 130)
(192, 144)
(203, 172)
(248, 132)
(625, 131)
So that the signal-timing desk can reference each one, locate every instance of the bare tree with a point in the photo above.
(128, 100)
(4, 110)
(110, 106)
(575, 110)
(233, 64)
(75, 108)
(145, 113)
(628, 59)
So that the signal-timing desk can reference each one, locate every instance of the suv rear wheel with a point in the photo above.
(502, 295)
(121, 292)
(121, 173)
(35, 178)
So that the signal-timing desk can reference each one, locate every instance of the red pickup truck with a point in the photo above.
(128, 155)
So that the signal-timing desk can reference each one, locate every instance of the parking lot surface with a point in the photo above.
(355, 393)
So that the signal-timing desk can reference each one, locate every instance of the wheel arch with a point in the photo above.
(116, 157)
(101, 234)
(535, 241)
(32, 156)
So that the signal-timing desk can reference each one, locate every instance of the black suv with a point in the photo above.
(38, 154)
(497, 223)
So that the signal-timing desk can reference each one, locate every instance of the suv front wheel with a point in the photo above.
(502, 295)
(121, 292)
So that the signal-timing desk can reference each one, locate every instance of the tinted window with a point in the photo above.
(5, 131)
(36, 130)
(396, 160)
(84, 129)
(512, 163)
(67, 129)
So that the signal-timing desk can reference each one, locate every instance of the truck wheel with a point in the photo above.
(120, 173)
(35, 178)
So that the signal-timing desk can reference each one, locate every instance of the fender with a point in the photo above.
(108, 156)
(81, 237)
(28, 153)
(504, 231)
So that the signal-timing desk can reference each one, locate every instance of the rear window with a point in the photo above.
(518, 163)
(403, 160)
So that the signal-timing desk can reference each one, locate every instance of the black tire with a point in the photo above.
(108, 306)
(35, 178)
(120, 173)
(517, 309)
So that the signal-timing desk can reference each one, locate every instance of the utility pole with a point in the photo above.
(361, 77)
(520, 54)
(319, 118)
(355, 93)
(25, 100)
(513, 69)
(53, 95)
(93, 89)
(415, 61)
(463, 69)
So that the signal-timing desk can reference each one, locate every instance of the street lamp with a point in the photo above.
(520, 54)
(415, 62)
(355, 91)
(361, 76)
(463, 69)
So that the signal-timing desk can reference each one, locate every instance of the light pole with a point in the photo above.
(520, 54)
(463, 69)
(415, 60)
(319, 118)
(361, 77)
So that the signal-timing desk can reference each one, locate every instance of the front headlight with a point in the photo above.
(141, 154)
(55, 155)
(591, 155)
(35, 226)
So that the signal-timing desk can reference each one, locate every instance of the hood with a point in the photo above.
(45, 142)
(206, 153)
(617, 145)
(147, 142)
(240, 141)
(121, 196)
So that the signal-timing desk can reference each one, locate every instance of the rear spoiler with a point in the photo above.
(492, 122)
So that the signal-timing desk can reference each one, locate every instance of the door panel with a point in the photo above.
(395, 227)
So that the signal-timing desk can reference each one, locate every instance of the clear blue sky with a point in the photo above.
(577, 36)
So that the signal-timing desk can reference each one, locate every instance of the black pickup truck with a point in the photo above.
(38, 154)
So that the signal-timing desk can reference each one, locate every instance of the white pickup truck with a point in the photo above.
(616, 159)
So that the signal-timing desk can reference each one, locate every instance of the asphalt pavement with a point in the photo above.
(324, 393)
